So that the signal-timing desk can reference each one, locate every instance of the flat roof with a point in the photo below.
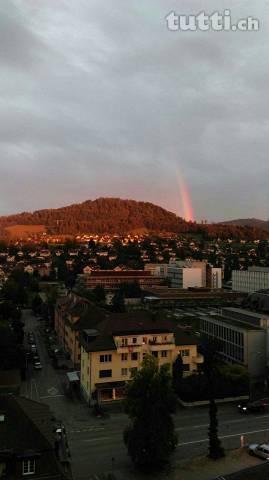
(248, 313)
(232, 322)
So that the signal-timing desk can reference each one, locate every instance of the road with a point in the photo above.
(93, 441)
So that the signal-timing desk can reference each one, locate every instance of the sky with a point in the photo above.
(99, 98)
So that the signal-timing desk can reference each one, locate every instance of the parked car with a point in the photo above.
(254, 406)
(31, 339)
(259, 450)
(33, 348)
(38, 365)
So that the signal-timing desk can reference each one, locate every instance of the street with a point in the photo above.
(95, 441)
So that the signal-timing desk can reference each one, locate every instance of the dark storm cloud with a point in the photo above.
(98, 98)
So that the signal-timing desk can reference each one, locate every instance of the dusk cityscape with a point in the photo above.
(134, 240)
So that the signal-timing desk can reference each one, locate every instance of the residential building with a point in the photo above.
(115, 348)
(28, 445)
(251, 280)
(184, 277)
(73, 314)
(188, 273)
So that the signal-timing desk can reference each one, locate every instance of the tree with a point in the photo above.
(177, 372)
(13, 292)
(99, 294)
(10, 351)
(118, 302)
(37, 303)
(131, 290)
(150, 438)
(209, 349)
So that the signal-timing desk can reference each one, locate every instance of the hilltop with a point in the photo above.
(118, 216)
(104, 215)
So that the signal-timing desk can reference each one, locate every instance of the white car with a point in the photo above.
(259, 450)
(38, 366)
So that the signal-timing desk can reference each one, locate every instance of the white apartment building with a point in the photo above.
(185, 277)
(251, 280)
(188, 273)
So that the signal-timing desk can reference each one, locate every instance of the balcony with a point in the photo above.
(198, 359)
(132, 347)
(161, 342)
(164, 345)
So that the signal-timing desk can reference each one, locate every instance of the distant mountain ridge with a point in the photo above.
(249, 222)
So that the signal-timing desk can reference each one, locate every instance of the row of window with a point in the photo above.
(107, 358)
(224, 333)
(125, 341)
(132, 370)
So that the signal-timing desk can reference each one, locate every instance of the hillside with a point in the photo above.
(104, 215)
(249, 222)
(117, 216)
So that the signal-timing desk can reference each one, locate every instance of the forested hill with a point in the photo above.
(114, 215)
(104, 215)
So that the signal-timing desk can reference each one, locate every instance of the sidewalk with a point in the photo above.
(200, 468)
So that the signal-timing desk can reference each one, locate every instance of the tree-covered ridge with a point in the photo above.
(104, 215)
(118, 216)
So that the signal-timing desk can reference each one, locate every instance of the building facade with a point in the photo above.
(112, 279)
(243, 338)
(29, 446)
(108, 360)
(251, 280)
(185, 277)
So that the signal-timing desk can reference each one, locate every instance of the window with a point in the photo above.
(164, 353)
(28, 467)
(105, 358)
(124, 357)
(135, 340)
(155, 354)
(105, 373)
(134, 356)
(124, 342)
(154, 339)
(133, 370)
(124, 372)
(184, 353)
(145, 340)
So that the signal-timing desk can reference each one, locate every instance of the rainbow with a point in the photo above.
(187, 207)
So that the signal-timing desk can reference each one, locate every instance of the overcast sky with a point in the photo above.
(99, 98)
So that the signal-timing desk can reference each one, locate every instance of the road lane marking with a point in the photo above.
(51, 396)
(89, 429)
(193, 427)
(36, 389)
(91, 440)
(222, 437)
